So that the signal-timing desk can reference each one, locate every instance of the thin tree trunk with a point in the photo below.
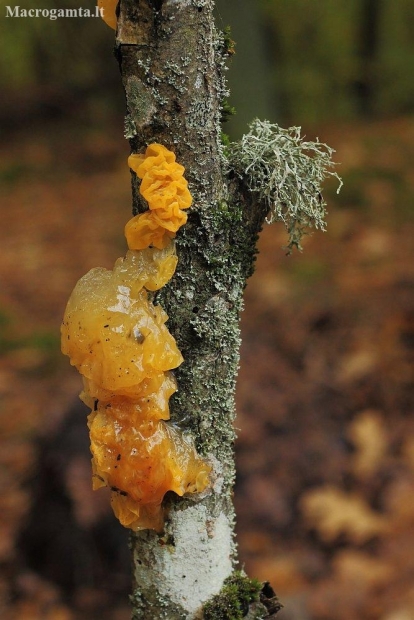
(368, 44)
(171, 60)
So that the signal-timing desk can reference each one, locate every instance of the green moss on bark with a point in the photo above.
(234, 599)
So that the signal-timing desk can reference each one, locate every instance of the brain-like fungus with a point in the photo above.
(166, 191)
(117, 339)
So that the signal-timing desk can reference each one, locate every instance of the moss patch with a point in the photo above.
(232, 603)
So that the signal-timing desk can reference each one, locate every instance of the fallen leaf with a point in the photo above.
(333, 512)
(369, 436)
(357, 566)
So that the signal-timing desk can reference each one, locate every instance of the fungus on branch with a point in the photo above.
(166, 191)
(117, 339)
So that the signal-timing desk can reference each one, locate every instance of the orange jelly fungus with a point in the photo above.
(166, 191)
(118, 341)
(109, 12)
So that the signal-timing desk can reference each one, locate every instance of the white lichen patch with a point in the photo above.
(193, 568)
(181, 3)
(141, 101)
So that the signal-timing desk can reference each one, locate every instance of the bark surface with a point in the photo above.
(172, 61)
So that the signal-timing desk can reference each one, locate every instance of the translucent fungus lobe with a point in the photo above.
(140, 461)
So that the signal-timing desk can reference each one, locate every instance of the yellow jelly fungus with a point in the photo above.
(149, 400)
(140, 461)
(142, 231)
(166, 191)
(108, 12)
(115, 320)
(117, 339)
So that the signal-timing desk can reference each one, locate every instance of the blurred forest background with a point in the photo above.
(325, 491)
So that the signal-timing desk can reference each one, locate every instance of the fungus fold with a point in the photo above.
(166, 191)
(117, 339)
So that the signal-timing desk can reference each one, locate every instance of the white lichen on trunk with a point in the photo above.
(190, 563)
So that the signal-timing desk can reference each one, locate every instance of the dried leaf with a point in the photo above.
(369, 436)
(351, 565)
(333, 512)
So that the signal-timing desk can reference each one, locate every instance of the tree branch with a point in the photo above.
(171, 60)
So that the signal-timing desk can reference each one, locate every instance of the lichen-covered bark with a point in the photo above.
(171, 61)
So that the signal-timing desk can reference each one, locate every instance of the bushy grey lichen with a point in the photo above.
(286, 173)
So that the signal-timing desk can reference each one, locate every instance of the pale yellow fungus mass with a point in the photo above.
(117, 339)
